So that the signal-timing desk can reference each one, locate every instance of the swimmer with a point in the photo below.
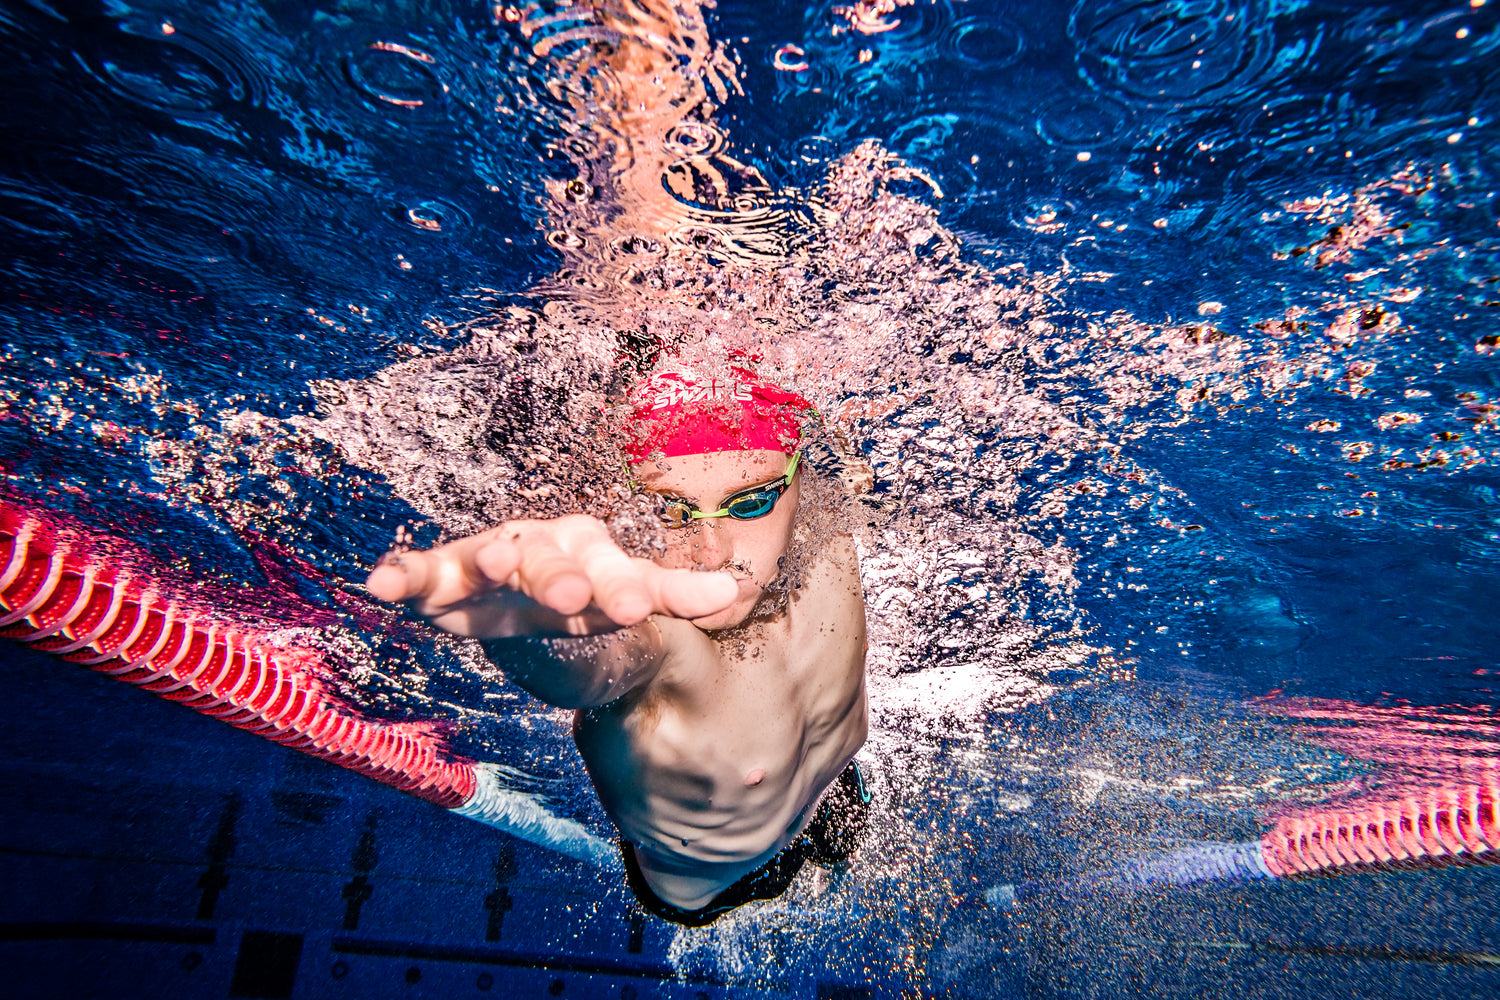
(718, 724)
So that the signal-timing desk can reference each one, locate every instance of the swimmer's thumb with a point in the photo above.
(387, 583)
(396, 578)
(686, 593)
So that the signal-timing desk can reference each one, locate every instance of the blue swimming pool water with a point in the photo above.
(208, 207)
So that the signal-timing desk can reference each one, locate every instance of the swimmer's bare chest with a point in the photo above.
(713, 766)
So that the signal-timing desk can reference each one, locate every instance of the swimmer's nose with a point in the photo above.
(711, 548)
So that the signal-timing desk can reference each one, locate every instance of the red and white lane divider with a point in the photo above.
(63, 591)
(1436, 827)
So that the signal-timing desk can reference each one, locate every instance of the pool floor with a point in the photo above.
(151, 852)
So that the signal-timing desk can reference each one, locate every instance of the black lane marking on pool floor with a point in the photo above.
(99, 930)
(513, 959)
(499, 903)
(1360, 952)
(266, 966)
(215, 879)
(358, 892)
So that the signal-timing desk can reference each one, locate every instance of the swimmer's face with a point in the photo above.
(750, 550)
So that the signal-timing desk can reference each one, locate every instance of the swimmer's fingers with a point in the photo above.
(432, 581)
(563, 564)
(626, 589)
(618, 583)
(548, 574)
(498, 559)
(685, 593)
(615, 582)
(447, 574)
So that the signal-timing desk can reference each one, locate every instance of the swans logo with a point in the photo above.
(679, 413)
(675, 388)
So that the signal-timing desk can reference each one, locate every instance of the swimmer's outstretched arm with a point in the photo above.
(568, 565)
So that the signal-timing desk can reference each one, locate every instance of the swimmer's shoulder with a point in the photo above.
(833, 575)
(688, 653)
(843, 553)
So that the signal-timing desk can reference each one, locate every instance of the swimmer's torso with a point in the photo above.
(714, 765)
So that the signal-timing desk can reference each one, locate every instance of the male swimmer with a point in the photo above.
(714, 718)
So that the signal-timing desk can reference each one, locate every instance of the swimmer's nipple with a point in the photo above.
(754, 777)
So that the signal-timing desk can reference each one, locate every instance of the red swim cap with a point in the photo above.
(677, 412)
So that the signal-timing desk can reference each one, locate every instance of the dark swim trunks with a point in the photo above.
(830, 838)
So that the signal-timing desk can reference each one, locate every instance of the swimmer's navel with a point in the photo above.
(754, 777)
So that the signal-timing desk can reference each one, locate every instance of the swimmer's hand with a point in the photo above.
(543, 578)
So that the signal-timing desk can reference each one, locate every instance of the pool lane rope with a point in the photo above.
(62, 592)
(1450, 824)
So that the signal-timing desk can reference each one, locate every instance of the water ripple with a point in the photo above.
(393, 75)
(800, 72)
(1088, 121)
(185, 72)
(909, 25)
(175, 210)
(990, 42)
(390, 71)
(24, 210)
(1167, 52)
(923, 137)
(695, 139)
(1454, 37)
(562, 239)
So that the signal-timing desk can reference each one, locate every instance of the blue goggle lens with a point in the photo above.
(753, 505)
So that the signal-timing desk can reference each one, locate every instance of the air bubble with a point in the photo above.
(435, 216)
(790, 59)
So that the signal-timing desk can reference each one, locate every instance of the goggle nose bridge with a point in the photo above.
(673, 519)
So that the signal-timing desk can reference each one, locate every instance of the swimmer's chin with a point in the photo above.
(734, 615)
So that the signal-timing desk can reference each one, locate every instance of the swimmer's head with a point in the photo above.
(683, 412)
(696, 441)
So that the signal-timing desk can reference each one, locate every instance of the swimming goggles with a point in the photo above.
(742, 505)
